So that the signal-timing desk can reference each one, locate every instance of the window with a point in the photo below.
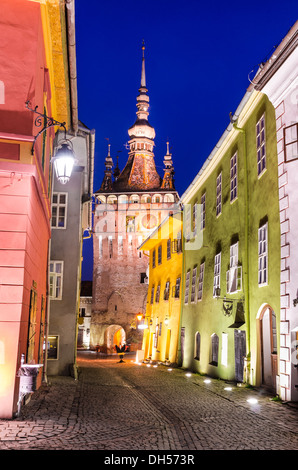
(152, 295)
(218, 194)
(56, 276)
(177, 243)
(187, 213)
(233, 177)
(143, 278)
(159, 254)
(193, 284)
(201, 279)
(197, 346)
(166, 291)
(59, 209)
(169, 248)
(263, 255)
(130, 224)
(234, 274)
(194, 217)
(187, 287)
(177, 288)
(214, 350)
(153, 259)
(261, 145)
(157, 295)
(216, 282)
(203, 211)
(291, 142)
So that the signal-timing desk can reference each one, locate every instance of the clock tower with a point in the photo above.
(129, 205)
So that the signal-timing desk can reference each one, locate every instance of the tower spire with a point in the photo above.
(168, 179)
(107, 184)
(143, 75)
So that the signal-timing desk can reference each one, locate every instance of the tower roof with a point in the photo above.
(139, 172)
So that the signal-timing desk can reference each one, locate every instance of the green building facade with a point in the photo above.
(230, 308)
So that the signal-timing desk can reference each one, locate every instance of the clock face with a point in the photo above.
(149, 221)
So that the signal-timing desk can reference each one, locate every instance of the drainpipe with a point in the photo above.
(246, 220)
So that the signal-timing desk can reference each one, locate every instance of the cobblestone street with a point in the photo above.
(125, 406)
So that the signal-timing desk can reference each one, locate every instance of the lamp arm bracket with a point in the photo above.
(43, 119)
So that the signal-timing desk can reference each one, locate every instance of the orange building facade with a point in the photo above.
(33, 77)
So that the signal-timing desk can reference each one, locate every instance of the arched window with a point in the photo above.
(197, 345)
(214, 350)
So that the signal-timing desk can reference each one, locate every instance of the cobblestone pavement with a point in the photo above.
(125, 406)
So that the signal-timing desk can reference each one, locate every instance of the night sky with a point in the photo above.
(198, 59)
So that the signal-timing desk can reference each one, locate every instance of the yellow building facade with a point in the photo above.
(161, 322)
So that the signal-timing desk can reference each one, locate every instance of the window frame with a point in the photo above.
(54, 275)
(234, 177)
(217, 269)
(263, 255)
(219, 194)
(201, 281)
(203, 211)
(58, 205)
(261, 146)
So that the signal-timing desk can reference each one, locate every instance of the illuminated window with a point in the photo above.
(56, 277)
(263, 255)
(193, 284)
(59, 210)
(157, 295)
(153, 259)
(261, 145)
(232, 274)
(177, 288)
(197, 346)
(159, 254)
(233, 178)
(203, 211)
(166, 291)
(187, 287)
(214, 350)
(216, 282)
(152, 295)
(194, 217)
(201, 279)
(218, 194)
(169, 243)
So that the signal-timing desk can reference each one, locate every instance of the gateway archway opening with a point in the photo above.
(114, 335)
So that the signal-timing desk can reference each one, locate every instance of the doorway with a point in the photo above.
(240, 353)
(268, 336)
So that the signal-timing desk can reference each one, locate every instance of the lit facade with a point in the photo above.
(161, 322)
(278, 79)
(231, 303)
(33, 70)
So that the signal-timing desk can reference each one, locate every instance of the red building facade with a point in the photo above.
(27, 75)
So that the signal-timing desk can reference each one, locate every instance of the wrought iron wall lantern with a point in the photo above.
(64, 157)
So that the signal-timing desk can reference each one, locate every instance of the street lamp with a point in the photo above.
(63, 161)
(64, 157)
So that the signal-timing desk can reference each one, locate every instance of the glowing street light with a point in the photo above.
(63, 161)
